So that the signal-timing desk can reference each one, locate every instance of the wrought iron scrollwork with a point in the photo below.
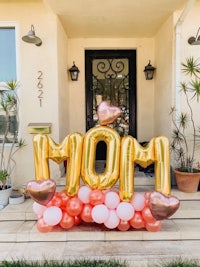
(111, 82)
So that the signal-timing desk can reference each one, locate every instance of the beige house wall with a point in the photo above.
(190, 28)
(51, 59)
(164, 43)
(63, 103)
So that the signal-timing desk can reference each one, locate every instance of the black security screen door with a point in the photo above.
(111, 75)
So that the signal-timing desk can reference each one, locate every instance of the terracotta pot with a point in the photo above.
(187, 182)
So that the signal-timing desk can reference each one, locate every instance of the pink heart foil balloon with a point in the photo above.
(163, 206)
(107, 113)
(41, 191)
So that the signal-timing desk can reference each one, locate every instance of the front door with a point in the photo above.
(111, 75)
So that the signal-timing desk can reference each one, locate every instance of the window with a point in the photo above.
(7, 54)
(8, 72)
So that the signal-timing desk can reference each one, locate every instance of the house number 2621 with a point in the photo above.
(40, 87)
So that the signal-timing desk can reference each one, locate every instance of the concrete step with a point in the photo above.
(26, 231)
(189, 206)
(178, 238)
(18, 224)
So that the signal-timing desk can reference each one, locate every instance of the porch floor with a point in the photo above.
(179, 236)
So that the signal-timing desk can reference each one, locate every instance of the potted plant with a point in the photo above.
(9, 142)
(185, 131)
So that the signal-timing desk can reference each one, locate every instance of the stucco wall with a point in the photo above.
(50, 58)
(164, 41)
(189, 28)
(145, 89)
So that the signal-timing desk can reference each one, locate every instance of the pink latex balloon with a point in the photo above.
(83, 193)
(147, 215)
(100, 213)
(67, 221)
(113, 220)
(38, 209)
(154, 226)
(86, 214)
(138, 201)
(43, 227)
(137, 221)
(52, 215)
(74, 206)
(123, 225)
(111, 200)
(125, 211)
(96, 197)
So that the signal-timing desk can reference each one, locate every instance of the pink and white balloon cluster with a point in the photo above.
(96, 206)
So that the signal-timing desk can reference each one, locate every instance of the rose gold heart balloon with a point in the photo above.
(41, 191)
(107, 113)
(163, 206)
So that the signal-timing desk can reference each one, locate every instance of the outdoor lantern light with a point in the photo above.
(194, 40)
(32, 38)
(74, 71)
(149, 71)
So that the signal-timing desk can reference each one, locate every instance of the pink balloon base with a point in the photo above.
(96, 207)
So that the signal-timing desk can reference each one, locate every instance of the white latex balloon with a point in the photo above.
(111, 200)
(83, 193)
(138, 201)
(113, 220)
(52, 215)
(125, 211)
(100, 213)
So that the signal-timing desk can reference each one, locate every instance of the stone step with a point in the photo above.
(26, 231)
(18, 224)
(189, 206)
(179, 236)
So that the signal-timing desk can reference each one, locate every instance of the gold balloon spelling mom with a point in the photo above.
(122, 153)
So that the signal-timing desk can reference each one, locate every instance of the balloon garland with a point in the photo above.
(98, 201)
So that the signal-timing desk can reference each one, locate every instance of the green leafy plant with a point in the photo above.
(185, 132)
(9, 104)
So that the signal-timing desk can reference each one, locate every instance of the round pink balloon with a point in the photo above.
(113, 220)
(38, 209)
(111, 200)
(138, 201)
(83, 194)
(100, 213)
(125, 211)
(52, 215)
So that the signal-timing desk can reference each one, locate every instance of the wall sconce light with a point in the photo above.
(32, 38)
(149, 71)
(194, 40)
(74, 71)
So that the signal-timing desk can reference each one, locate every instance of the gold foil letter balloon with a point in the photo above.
(81, 155)
(156, 151)
(110, 176)
(70, 149)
